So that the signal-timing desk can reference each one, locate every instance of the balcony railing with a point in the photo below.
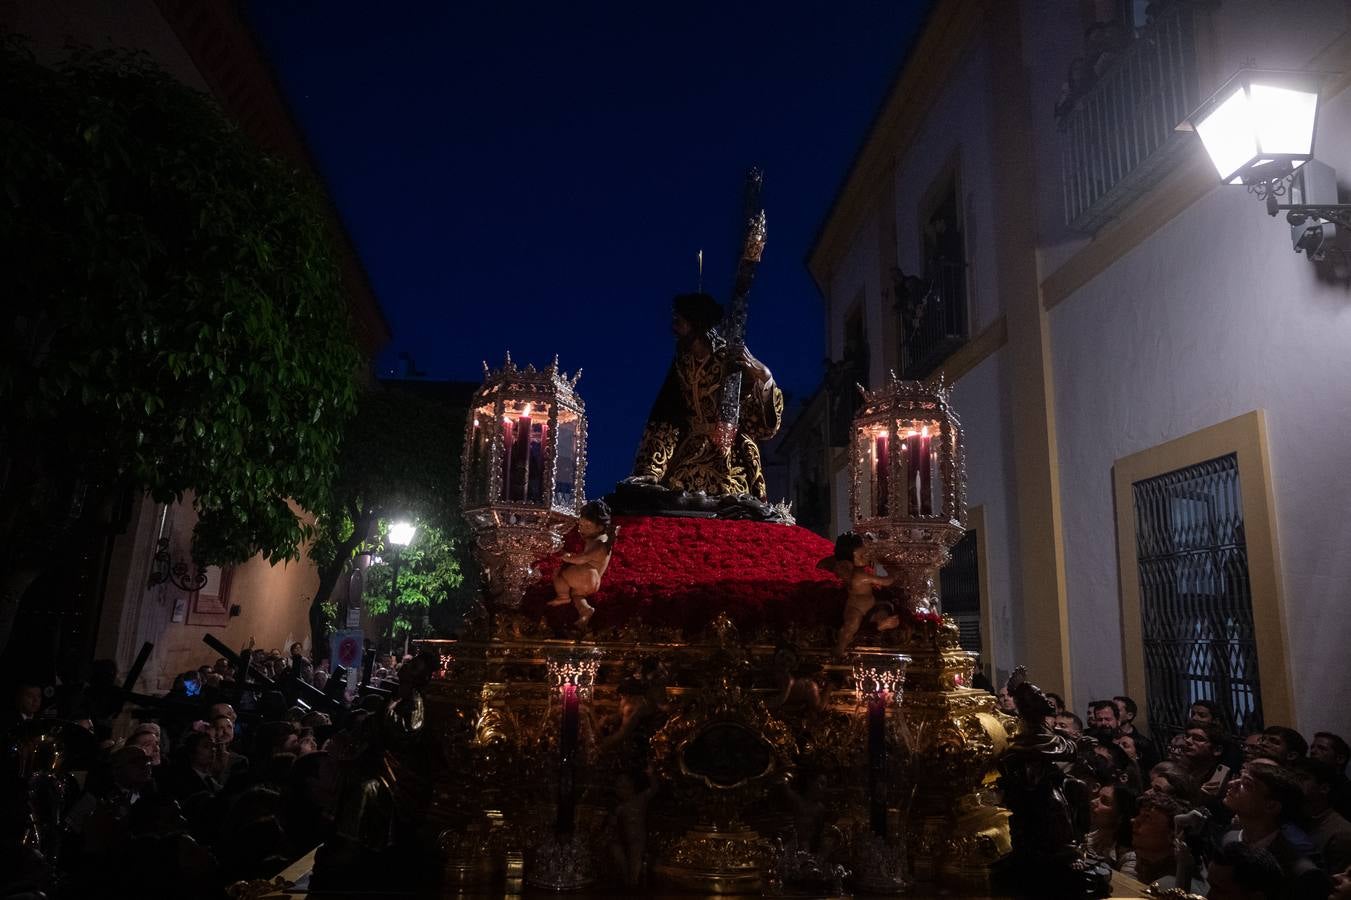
(933, 323)
(1119, 135)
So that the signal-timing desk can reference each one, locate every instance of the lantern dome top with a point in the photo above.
(895, 395)
(514, 379)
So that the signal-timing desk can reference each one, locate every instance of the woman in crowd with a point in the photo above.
(1111, 812)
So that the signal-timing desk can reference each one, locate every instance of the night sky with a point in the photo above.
(538, 177)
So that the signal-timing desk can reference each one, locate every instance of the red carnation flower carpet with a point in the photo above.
(682, 572)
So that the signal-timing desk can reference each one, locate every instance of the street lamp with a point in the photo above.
(1258, 130)
(400, 535)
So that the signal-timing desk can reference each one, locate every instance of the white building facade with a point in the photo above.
(1152, 384)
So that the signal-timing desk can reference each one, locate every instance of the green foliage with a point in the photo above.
(176, 315)
(398, 460)
(429, 576)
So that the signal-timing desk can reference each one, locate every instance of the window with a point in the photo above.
(1196, 605)
(211, 605)
(932, 308)
(843, 377)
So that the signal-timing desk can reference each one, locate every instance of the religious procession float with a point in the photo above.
(677, 687)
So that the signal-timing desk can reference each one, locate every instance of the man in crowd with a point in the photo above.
(1146, 750)
(1103, 717)
(300, 666)
(1330, 833)
(1285, 745)
(1202, 747)
(1332, 749)
(1264, 799)
(1069, 723)
(27, 706)
(1240, 872)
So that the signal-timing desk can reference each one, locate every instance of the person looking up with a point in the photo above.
(1264, 798)
(1285, 745)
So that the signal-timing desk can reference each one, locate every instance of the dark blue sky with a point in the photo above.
(537, 177)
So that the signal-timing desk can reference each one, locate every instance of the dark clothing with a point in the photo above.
(1293, 850)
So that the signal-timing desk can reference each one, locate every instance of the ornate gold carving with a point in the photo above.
(709, 861)
(256, 888)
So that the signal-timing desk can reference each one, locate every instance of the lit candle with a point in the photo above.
(882, 463)
(521, 471)
(926, 473)
(506, 458)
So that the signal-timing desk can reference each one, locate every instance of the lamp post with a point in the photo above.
(401, 534)
(1258, 130)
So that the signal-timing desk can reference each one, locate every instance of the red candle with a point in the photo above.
(925, 474)
(507, 442)
(882, 466)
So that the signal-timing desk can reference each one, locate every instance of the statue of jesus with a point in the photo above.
(682, 446)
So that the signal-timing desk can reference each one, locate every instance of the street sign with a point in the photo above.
(346, 646)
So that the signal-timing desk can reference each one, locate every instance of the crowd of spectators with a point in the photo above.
(181, 795)
(1258, 817)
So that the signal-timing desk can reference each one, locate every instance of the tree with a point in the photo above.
(429, 577)
(176, 317)
(399, 460)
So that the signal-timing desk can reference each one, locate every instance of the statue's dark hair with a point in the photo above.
(846, 544)
(599, 511)
(700, 310)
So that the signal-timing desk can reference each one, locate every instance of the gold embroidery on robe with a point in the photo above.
(679, 448)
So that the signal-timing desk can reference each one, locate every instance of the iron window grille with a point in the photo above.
(1196, 597)
(1119, 128)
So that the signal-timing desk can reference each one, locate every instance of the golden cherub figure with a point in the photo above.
(579, 576)
(850, 563)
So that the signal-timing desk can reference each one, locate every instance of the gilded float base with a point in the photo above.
(879, 866)
(956, 849)
(560, 863)
(710, 861)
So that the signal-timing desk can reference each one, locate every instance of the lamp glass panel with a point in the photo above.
(565, 469)
(1228, 133)
(863, 451)
(481, 427)
(401, 533)
(1284, 118)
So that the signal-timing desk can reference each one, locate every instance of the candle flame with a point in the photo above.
(526, 413)
(476, 423)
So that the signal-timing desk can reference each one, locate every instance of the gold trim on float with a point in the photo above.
(1246, 436)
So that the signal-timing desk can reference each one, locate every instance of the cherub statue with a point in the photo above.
(795, 691)
(628, 823)
(850, 563)
(579, 576)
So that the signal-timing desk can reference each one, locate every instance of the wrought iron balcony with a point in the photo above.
(1118, 134)
(933, 317)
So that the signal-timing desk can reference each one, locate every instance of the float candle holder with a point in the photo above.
(572, 679)
(523, 479)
